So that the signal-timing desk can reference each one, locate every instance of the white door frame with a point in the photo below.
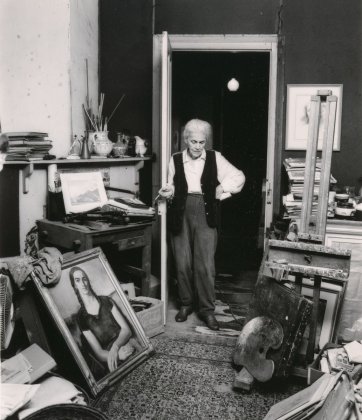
(225, 43)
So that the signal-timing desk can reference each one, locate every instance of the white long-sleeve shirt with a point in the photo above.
(231, 179)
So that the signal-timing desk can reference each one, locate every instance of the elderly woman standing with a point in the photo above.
(197, 180)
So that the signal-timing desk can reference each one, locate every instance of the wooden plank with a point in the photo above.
(310, 163)
(308, 259)
(314, 319)
(298, 283)
(330, 117)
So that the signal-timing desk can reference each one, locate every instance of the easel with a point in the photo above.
(308, 258)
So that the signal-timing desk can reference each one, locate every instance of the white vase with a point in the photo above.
(102, 146)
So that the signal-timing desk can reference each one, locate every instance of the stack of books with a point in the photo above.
(293, 201)
(327, 398)
(27, 146)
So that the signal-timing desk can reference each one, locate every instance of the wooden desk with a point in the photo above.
(77, 238)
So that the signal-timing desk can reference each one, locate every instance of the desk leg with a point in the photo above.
(146, 262)
(314, 319)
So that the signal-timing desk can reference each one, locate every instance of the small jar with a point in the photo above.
(345, 210)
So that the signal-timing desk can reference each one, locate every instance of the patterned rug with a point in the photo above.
(189, 380)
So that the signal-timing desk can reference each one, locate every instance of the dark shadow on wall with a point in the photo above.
(9, 212)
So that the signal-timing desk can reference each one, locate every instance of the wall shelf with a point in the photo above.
(78, 161)
(27, 168)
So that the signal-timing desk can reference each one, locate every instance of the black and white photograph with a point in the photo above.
(180, 209)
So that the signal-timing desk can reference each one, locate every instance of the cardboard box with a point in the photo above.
(313, 370)
(151, 318)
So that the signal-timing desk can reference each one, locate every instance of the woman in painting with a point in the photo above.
(101, 322)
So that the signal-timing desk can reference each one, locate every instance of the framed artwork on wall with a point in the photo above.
(298, 115)
(96, 320)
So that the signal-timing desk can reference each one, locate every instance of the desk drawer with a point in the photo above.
(130, 243)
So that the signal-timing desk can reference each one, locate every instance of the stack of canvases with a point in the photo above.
(336, 394)
(27, 146)
(295, 168)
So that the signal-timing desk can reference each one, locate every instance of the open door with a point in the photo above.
(163, 45)
(165, 156)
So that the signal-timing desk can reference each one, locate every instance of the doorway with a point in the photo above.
(164, 50)
(240, 132)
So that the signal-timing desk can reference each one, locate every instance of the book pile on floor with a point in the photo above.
(331, 397)
(336, 394)
(27, 146)
(292, 202)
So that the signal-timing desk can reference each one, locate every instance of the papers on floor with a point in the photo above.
(14, 396)
(16, 370)
(52, 391)
(306, 401)
(26, 366)
(222, 331)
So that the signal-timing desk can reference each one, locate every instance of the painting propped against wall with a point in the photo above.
(95, 319)
(298, 116)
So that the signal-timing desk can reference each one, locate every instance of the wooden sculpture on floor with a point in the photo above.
(275, 324)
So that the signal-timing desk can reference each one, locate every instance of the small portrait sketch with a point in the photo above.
(299, 115)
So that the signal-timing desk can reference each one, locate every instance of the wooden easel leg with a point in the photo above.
(298, 283)
(314, 320)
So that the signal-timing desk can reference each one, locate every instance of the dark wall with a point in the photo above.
(321, 44)
(216, 17)
(126, 68)
(126, 64)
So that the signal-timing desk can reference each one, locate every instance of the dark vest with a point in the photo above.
(209, 183)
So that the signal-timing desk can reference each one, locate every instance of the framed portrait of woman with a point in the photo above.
(96, 320)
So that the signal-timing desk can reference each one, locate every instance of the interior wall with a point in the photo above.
(320, 43)
(126, 28)
(323, 45)
(34, 74)
(84, 41)
(42, 86)
(126, 64)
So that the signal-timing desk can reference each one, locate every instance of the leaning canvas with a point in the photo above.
(96, 320)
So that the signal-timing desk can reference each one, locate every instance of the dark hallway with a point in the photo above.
(240, 122)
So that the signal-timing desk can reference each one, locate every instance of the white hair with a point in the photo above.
(199, 126)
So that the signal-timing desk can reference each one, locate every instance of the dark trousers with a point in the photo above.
(194, 253)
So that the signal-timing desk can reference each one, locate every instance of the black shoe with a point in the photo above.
(183, 313)
(210, 321)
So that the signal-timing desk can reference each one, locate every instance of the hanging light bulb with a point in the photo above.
(233, 85)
